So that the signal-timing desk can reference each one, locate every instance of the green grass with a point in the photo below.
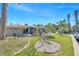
(11, 45)
(64, 40)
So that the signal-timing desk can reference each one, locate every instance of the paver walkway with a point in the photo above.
(23, 47)
(76, 46)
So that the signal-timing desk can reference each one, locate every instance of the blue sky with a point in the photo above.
(39, 13)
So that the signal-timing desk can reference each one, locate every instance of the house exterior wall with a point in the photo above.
(13, 32)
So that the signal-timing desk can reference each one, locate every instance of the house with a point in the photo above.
(32, 30)
(13, 30)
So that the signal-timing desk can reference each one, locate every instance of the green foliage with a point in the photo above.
(66, 42)
(50, 27)
(63, 27)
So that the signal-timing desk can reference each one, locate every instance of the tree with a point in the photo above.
(69, 25)
(62, 26)
(76, 19)
(50, 27)
(4, 20)
(26, 24)
(74, 27)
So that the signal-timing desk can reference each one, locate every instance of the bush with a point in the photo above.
(51, 37)
(35, 34)
(14, 34)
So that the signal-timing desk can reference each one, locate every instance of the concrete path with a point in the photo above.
(23, 47)
(76, 46)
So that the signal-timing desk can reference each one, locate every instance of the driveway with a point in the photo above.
(76, 46)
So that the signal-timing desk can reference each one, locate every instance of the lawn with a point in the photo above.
(64, 40)
(11, 45)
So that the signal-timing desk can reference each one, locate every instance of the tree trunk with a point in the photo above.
(69, 25)
(3, 20)
(76, 20)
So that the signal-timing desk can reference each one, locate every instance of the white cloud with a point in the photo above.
(23, 8)
(67, 6)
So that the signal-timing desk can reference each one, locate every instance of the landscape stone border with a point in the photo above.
(51, 48)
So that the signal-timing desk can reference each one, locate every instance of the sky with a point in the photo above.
(40, 13)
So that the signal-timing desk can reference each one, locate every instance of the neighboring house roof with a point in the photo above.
(22, 27)
(18, 27)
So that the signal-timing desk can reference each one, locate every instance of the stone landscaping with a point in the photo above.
(48, 48)
(45, 45)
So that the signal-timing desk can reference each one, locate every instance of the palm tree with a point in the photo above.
(69, 25)
(76, 19)
(4, 20)
(62, 26)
